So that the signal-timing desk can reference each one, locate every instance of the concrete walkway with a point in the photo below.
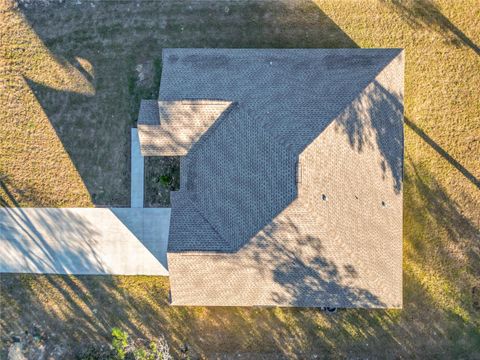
(117, 241)
(84, 241)
(137, 172)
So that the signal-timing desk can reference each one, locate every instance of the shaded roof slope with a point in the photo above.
(190, 228)
(238, 178)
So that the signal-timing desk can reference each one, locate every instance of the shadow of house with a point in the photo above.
(96, 148)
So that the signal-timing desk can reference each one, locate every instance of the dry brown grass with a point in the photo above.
(34, 165)
(47, 136)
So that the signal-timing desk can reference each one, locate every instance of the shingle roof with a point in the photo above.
(240, 188)
(191, 227)
(170, 128)
(312, 149)
(149, 113)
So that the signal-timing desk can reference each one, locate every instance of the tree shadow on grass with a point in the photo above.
(452, 161)
(441, 264)
(439, 228)
(7, 198)
(426, 14)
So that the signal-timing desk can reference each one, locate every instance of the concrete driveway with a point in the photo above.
(126, 241)
(116, 241)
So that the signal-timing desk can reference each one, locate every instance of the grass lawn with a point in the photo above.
(70, 86)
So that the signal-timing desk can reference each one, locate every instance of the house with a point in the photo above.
(291, 175)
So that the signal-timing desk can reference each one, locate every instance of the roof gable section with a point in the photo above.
(171, 128)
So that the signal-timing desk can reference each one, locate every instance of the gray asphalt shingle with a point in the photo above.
(293, 195)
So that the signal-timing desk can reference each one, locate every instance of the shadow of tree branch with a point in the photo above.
(443, 153)
(425, 13)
